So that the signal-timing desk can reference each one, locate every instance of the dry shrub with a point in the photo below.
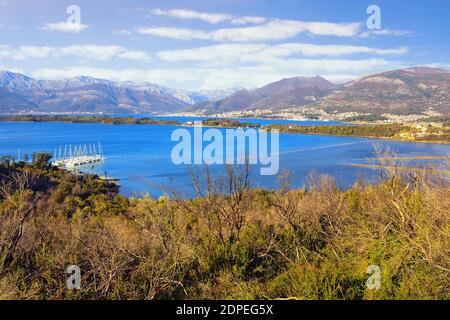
(232, 242)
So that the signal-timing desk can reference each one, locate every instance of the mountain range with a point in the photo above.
(406, 91)
(295, 91)
(20, 93)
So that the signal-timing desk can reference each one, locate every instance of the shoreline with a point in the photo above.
(367, 137)
(227, 123)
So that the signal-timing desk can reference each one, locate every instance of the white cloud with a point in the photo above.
(12, 69)
(212, 18)
(134, 55)
(220, 53)
(313, 50)
(248, 20)
(284, 29)
(265, 53)
(123, 32)
(224, 77)
(272, 30)
(86, 52)
(175, 33)
(385, 32)
(26, 52)
(190, 14)
(65, 27)
(4, 52)
(94, 52)
(438, 65)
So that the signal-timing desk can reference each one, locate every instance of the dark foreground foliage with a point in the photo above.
(233, 242)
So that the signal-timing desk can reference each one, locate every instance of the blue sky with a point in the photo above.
(220, 43)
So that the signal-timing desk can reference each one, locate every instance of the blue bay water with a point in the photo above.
(139, 155)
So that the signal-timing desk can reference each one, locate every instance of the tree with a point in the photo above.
(15, 192)
(41, 160)
(6, 160)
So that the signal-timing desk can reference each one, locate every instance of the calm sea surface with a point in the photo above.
(139, 155)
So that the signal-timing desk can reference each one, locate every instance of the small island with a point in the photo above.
(86, 119)
(420, 132)
(432, 132)
(228, 123)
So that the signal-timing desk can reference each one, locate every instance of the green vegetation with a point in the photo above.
(230, 242)
(228, 123)
(378, 131)
(41, 160)
(6, 160)
(86, 119)
(390, 131)
(441, 119)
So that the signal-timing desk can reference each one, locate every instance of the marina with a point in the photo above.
(140, 156)
(72, 158)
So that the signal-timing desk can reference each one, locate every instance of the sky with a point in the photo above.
(219, 44)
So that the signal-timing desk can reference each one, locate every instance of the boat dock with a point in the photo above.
(110, 180)
(71, 158)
